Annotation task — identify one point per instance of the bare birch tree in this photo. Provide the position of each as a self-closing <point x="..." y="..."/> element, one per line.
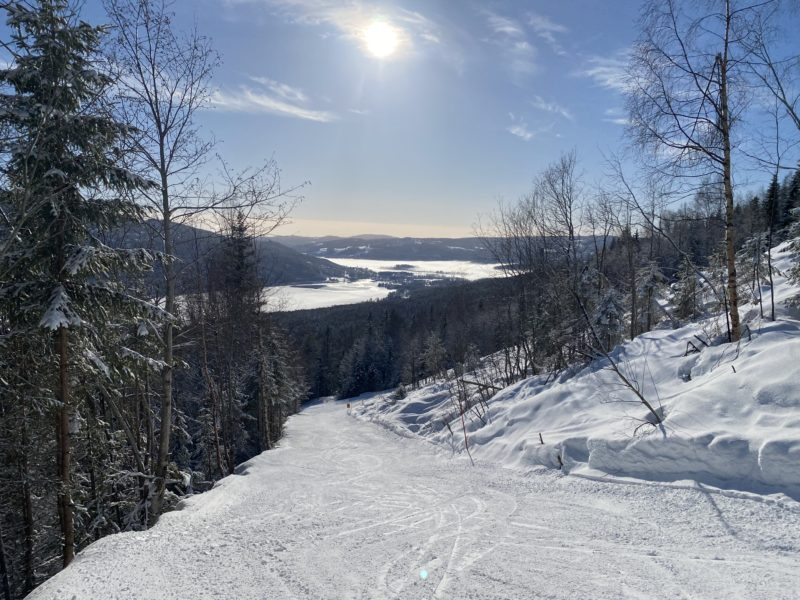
<point x="164" y="82"/>
<point x="687" y="85"/>
<point x="777" y="69"/>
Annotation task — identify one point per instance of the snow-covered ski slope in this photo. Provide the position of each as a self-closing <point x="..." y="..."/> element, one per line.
<point x="345" y="509"/>
<point x="732" y="410"/>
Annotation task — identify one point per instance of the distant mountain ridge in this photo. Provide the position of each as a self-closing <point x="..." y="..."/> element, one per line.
<point x="390" y="248"/>
<point x="277" y="263"/>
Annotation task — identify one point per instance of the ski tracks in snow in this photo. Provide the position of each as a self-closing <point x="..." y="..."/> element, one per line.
<point x="347" y="510"/>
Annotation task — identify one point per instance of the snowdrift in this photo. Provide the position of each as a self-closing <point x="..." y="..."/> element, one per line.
<point x="732" y="410"/>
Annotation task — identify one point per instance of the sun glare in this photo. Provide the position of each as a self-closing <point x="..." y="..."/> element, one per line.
<point x="381" y="39"/>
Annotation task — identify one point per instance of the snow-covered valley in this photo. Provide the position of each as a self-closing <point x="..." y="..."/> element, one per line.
<point x="346" y="509"/>
<point x="573" y="494"/>
<point x="336" y="293"/>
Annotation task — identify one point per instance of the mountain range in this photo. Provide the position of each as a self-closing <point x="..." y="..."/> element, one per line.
<point x="278" y="264"/>
<point x="390" y="248"/>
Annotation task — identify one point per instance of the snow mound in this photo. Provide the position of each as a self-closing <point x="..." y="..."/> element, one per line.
<point x="732" y="411"/>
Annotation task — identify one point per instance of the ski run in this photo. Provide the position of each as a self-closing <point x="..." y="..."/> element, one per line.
<point x="345" y="509"/>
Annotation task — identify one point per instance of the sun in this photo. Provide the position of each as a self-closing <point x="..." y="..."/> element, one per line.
<point x="381" y="39"/>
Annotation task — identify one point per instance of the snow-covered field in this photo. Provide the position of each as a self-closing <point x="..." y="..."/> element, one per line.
<point x="347" y="510"/>
<point x="446" y="268"/>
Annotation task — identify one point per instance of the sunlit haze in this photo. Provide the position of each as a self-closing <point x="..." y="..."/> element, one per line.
<point x="412" y="118"/>
<point x="417" y="117"/>
<point x="381" y="39"/>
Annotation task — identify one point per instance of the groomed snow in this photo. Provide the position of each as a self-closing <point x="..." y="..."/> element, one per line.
<point x="347" y="510"/>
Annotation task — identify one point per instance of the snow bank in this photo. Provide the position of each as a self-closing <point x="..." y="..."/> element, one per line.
<point x="732" y="410"/>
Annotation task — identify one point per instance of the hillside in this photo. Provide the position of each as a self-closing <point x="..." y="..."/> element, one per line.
<point x="732" y="411"/>
<point x="277" y="264"/>
<point x="391" y="248"/>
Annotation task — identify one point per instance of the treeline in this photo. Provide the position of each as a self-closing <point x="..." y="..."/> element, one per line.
<point x="114" y="402"/>
<point x="371" y="346"/>
<point x="567" y="297"/>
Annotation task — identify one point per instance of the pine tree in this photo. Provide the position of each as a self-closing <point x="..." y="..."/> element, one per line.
<point x="434" y="356"/>
<point x="687" y="301"/>
<point x="608" y="319"/>
<point x="63" y="185"/>
<point x="792" y="200"/>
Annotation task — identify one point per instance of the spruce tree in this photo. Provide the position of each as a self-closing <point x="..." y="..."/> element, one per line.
<point x="62" y="186"/>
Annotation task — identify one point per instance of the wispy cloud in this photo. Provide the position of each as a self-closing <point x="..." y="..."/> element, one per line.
<point x="616" y="116"/>
<point x="273" y="98"/>
<point x="504" y="25"/>
<point x="520" y="128"/>
<point x="547" y="29"/>
<point x="285" y="91"/>
<point x="508" y="34"/>
<point x="351" y="18"/>
<point x="609" y="72"/>
<point x="551" y="107"/>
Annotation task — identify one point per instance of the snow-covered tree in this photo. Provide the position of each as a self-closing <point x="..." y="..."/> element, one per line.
<point x="687" y="293"/>
<point x="608" y="318"/>
<point x="63" y="302"/>
<point x="650" y="280"/>
<point x="434" y="355"/>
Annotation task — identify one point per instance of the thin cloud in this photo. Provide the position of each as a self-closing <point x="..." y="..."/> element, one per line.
<point x="616" y="116"/>
<point x="520" y="128"/>
<point x="609" y="72"/>
<point x="551" y="107"/>
<point x="504" y="25"/>
<point x="277" y="98"/>
<point x="285" y="91"/>
<point x="543" y="23"/>
<point x="547" y="29"/>
<point x="508" y="34"/>
<point x="352" y="17"/>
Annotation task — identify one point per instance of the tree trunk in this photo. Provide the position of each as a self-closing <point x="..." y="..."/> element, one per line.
<point x="27" y="510"/>
<point x="632" y="283"/>
<point x="730" y="254"/>
<point x="263" y="407"/>
<point x="4" y="570"/>
<point x="771" y="206"/>
<point x="64" y="450"/>
<point x="166" y="373"/>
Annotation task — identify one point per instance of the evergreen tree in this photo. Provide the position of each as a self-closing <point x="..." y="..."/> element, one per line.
<point x="687" y="301"/>
<point x="62" y="306"/>
<point x="434" y="356"/>
<point x="792" y="200"/>
<point x="608" y="319"/>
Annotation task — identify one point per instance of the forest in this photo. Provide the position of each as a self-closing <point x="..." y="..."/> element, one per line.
<point x="130" y="378"/>
<point x="117" y="399"/>
<point x="624" y="272"/>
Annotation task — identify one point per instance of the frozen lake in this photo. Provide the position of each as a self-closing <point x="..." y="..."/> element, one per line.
<point x="289" y="297"/>
<point x="446" y="268"/>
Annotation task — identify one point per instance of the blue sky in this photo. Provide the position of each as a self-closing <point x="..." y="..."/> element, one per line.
<point x="476" y="99"/>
